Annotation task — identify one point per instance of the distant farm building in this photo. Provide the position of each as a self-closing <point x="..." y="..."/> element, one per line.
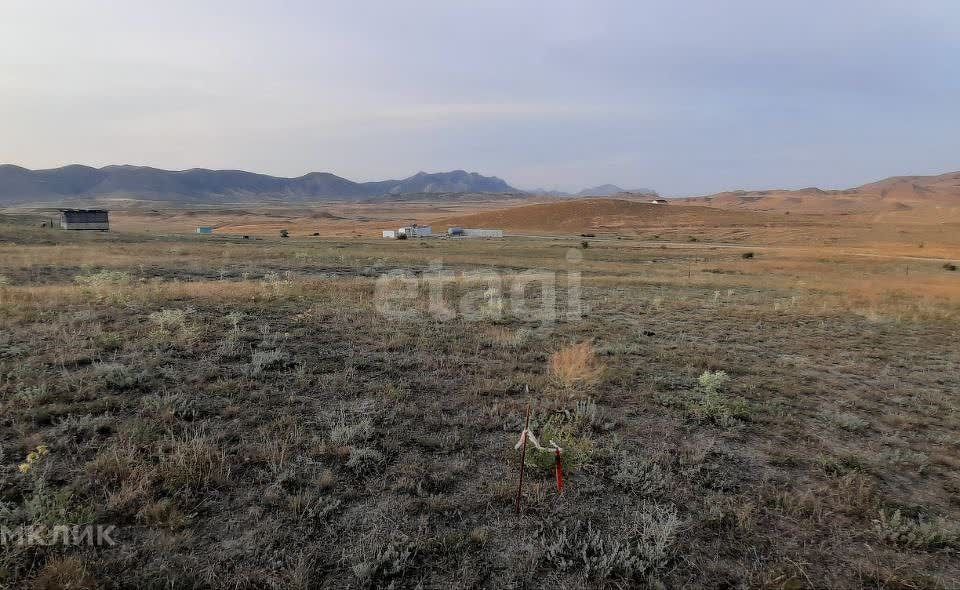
<point x="481" y="233"/>
<point x="93" y="219"/>
<point x="204" y="229"/>
<point x="410" y="231"/>
<point x="417" y="231"/>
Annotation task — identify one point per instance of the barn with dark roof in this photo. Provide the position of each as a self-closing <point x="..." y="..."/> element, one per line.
<point x="94" y="219"/>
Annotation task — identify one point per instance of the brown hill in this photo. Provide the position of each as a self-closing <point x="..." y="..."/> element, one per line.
<point x="600" y="216"/>
<point x="919" y="195"/>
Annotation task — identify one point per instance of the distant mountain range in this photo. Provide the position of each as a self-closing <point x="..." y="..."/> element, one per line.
<point x="76" y="182"/>
<point x="604" y="190"/>
<point x="608" y="190"/>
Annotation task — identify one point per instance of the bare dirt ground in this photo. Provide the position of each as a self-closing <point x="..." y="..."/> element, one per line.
<point x="255" y="413"/>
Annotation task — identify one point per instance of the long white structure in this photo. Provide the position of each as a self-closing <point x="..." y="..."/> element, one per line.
<point x="409" y="231"/>
<point x="482" y="233"/>
<point x="424" y="231"/>
<point x="415" y="231"/>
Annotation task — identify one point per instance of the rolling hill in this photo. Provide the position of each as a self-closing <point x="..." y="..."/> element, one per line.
<point x="199" y="185"/>
<point x="920" y="194"/>
<point x="597" y="215"/>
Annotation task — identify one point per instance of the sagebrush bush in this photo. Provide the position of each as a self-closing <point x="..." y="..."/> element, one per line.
<point x="846" y="421"/>
<point x="265" y="360"/>
<point x="639" y="475"/>
<point x="713" y="381"/>
<point x="711" y="404"/>
<point x="578" y="447"/>
<point x="587" y="412"/>
<point x="385" y="565"/>
<point x="640" y="551"/>
<point x="102" y="278"/>
<point x="172" y="325"/>
<point x="366" y="461"/>
<point x="343" y="433"/>
<point x="916" y="534"/>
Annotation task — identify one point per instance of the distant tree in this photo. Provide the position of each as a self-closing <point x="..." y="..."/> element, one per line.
<point x="284" y="233"/>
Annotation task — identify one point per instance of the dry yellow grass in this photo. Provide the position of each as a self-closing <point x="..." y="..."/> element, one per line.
<point x="576" y="364"/>
<point x="65" y="572"/>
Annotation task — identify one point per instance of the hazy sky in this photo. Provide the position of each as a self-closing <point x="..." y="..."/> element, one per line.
<point x="685" y="97"/>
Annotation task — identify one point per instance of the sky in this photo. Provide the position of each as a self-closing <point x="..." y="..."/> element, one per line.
<point x="685" y="97"/>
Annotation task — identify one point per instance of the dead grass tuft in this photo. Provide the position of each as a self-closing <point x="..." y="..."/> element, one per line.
<point x="576" y="365"/>
<point x="62" y="573"/>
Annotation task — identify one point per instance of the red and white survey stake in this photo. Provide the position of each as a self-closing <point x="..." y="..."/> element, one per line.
<point x="527" y="435"/>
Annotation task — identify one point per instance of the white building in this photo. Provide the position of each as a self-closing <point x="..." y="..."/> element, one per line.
<point x="482" y="233"/>
<point x="410" y="231"/>
<point x="415" y="231"/>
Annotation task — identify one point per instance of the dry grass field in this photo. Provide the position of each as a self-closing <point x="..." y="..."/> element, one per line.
<point x="777" y="411"/>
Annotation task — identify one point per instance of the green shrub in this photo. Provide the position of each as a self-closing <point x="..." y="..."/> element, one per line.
<point x="641" y="551"/>
<point x="846" y="421"/>
<point x="265" y="360"/>
<point x="639" y="475"/>
<point x="916" y="534"/>
<point x="577" y="446"/>
<point x="366" y="461"/>
<point x="102" y="278"/>
<point x="710" y="404"/>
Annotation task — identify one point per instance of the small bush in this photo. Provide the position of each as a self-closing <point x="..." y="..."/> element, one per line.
<point x="116" y="376"/>
<point x="846" y="421"/>
<point x="584" y="244"/>
<point x="163" y="513"/>
<point x="641" y="551"/>
<point x="102" y="278"/>
<point x="639" y="475"/>
<point x="109" y="342"/>
<point x="65" y="572"/>
<point x="950" y="266"/>
<point x="347" y="434"/>
<point x="386" y="566"/>
<point x="713" y="381"/>
<point x="266" y="360"/>
<point x="747" y="255"/>
<point x="577" y="446"/>
<point x="588" y="413"/>
<point x="576" y="364"/>
<point x="366" y="461"/>
<point x="192" y="462"/>
<point x="916" y="534"/>
<point x="709" y="403"/>
<point x="172" y="325"/>
<point x="51" y="506"/>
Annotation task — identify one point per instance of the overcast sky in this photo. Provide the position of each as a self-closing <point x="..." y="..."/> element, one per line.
<point x="685" y="97"/>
